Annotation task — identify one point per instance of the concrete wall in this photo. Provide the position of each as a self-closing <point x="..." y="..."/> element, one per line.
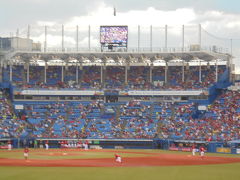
<point x="21" y="44"/>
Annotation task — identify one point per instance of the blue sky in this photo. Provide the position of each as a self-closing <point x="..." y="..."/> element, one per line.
<point x="231" y="6"/>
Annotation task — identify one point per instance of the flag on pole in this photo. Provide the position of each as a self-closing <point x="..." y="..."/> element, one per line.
<point x="114" y="11"/>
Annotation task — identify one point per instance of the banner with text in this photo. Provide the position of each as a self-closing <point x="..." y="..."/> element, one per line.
<point x="161" y="93"/>
<point x="59" y="92"/>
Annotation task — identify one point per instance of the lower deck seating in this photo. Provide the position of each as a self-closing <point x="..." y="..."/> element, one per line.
<point x="133" y="119"/>
<point x="10" y="124"/>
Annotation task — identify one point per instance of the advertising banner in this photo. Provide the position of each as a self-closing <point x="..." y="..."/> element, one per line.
<point x="59" y="92"/>
<point x="224" y="150"/>
<point x="238" y="151"/>
<point x="4" y="147"/>
<point x="187" y="149"/>
<point x="184" y="149"/>
<point x="161" y="93"/>
<point x="174" y="149"/>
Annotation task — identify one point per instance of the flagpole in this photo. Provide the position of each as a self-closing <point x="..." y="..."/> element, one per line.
<point x="114" y="11"/>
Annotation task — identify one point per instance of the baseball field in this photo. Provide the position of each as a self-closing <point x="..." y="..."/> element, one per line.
<point x="100" y="164"/>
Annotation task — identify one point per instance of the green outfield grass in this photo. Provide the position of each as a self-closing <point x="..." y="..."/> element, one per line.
<point x="210" y="172"/>
<point x="199" y="172"/>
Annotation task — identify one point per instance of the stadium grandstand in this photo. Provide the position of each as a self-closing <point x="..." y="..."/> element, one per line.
<point x="118" y="96"/>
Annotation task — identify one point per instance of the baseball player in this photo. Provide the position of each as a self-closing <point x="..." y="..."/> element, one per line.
<point x="194" y="149"/>
<point x="79" y="144"/>
<point x="85" y="145"/>
<point x="46" y="145"/>
<point x="118" y="158"/>
<point x="9" y="145"/>
<point x="25" y="154"/>
<point x="202" y="151"/>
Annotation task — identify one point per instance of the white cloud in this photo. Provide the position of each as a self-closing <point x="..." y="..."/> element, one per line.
<point x="103" y="15"/>
<point x="45" y="23"/>
<point x="218" y="23"/>
<point x="55" y="40"/>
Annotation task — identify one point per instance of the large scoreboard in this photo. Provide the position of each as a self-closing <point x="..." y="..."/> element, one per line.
<point x="114" y="35"/>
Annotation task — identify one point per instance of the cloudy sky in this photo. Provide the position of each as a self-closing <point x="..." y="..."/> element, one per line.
<point x="220" y="20"/>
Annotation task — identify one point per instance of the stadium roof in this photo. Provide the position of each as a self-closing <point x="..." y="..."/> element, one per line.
<point x="115" y="57"/>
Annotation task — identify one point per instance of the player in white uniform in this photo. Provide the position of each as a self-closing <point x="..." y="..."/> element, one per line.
<point x="9" y="146"/>
<point x="194" y="150"/>
<point x="46" y="145"/>
<point x="85" y="145"/>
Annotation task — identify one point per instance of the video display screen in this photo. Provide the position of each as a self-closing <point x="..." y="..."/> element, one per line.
<point x="113" y="34"/>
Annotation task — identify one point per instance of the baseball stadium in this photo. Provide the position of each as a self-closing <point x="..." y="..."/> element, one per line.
<point x="119" y="101"/>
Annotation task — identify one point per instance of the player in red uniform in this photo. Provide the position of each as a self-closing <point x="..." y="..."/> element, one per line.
<point x="79" y="144"/>
<point x="26" y="151"/>
<point x="202" y="151"/>
<point x="118" y="158"/>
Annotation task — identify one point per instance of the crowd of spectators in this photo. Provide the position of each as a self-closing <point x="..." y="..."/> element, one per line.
<point x="219" y="123"/>
<point x="138" y="78"/>
<point x="18" y="74"/>
<point x="223" y="117"/>
<point x="88" y="120"/>
<point x="36" y="75"/>
<point x="191" y="79"/>
<point x="71" y="119"/>
<point x="136" y="120"/>
<point x="115" y="77"/>
<point x="10" y="125"/>
<point x="176" y="121"/>
<point x="89" y="77"/>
